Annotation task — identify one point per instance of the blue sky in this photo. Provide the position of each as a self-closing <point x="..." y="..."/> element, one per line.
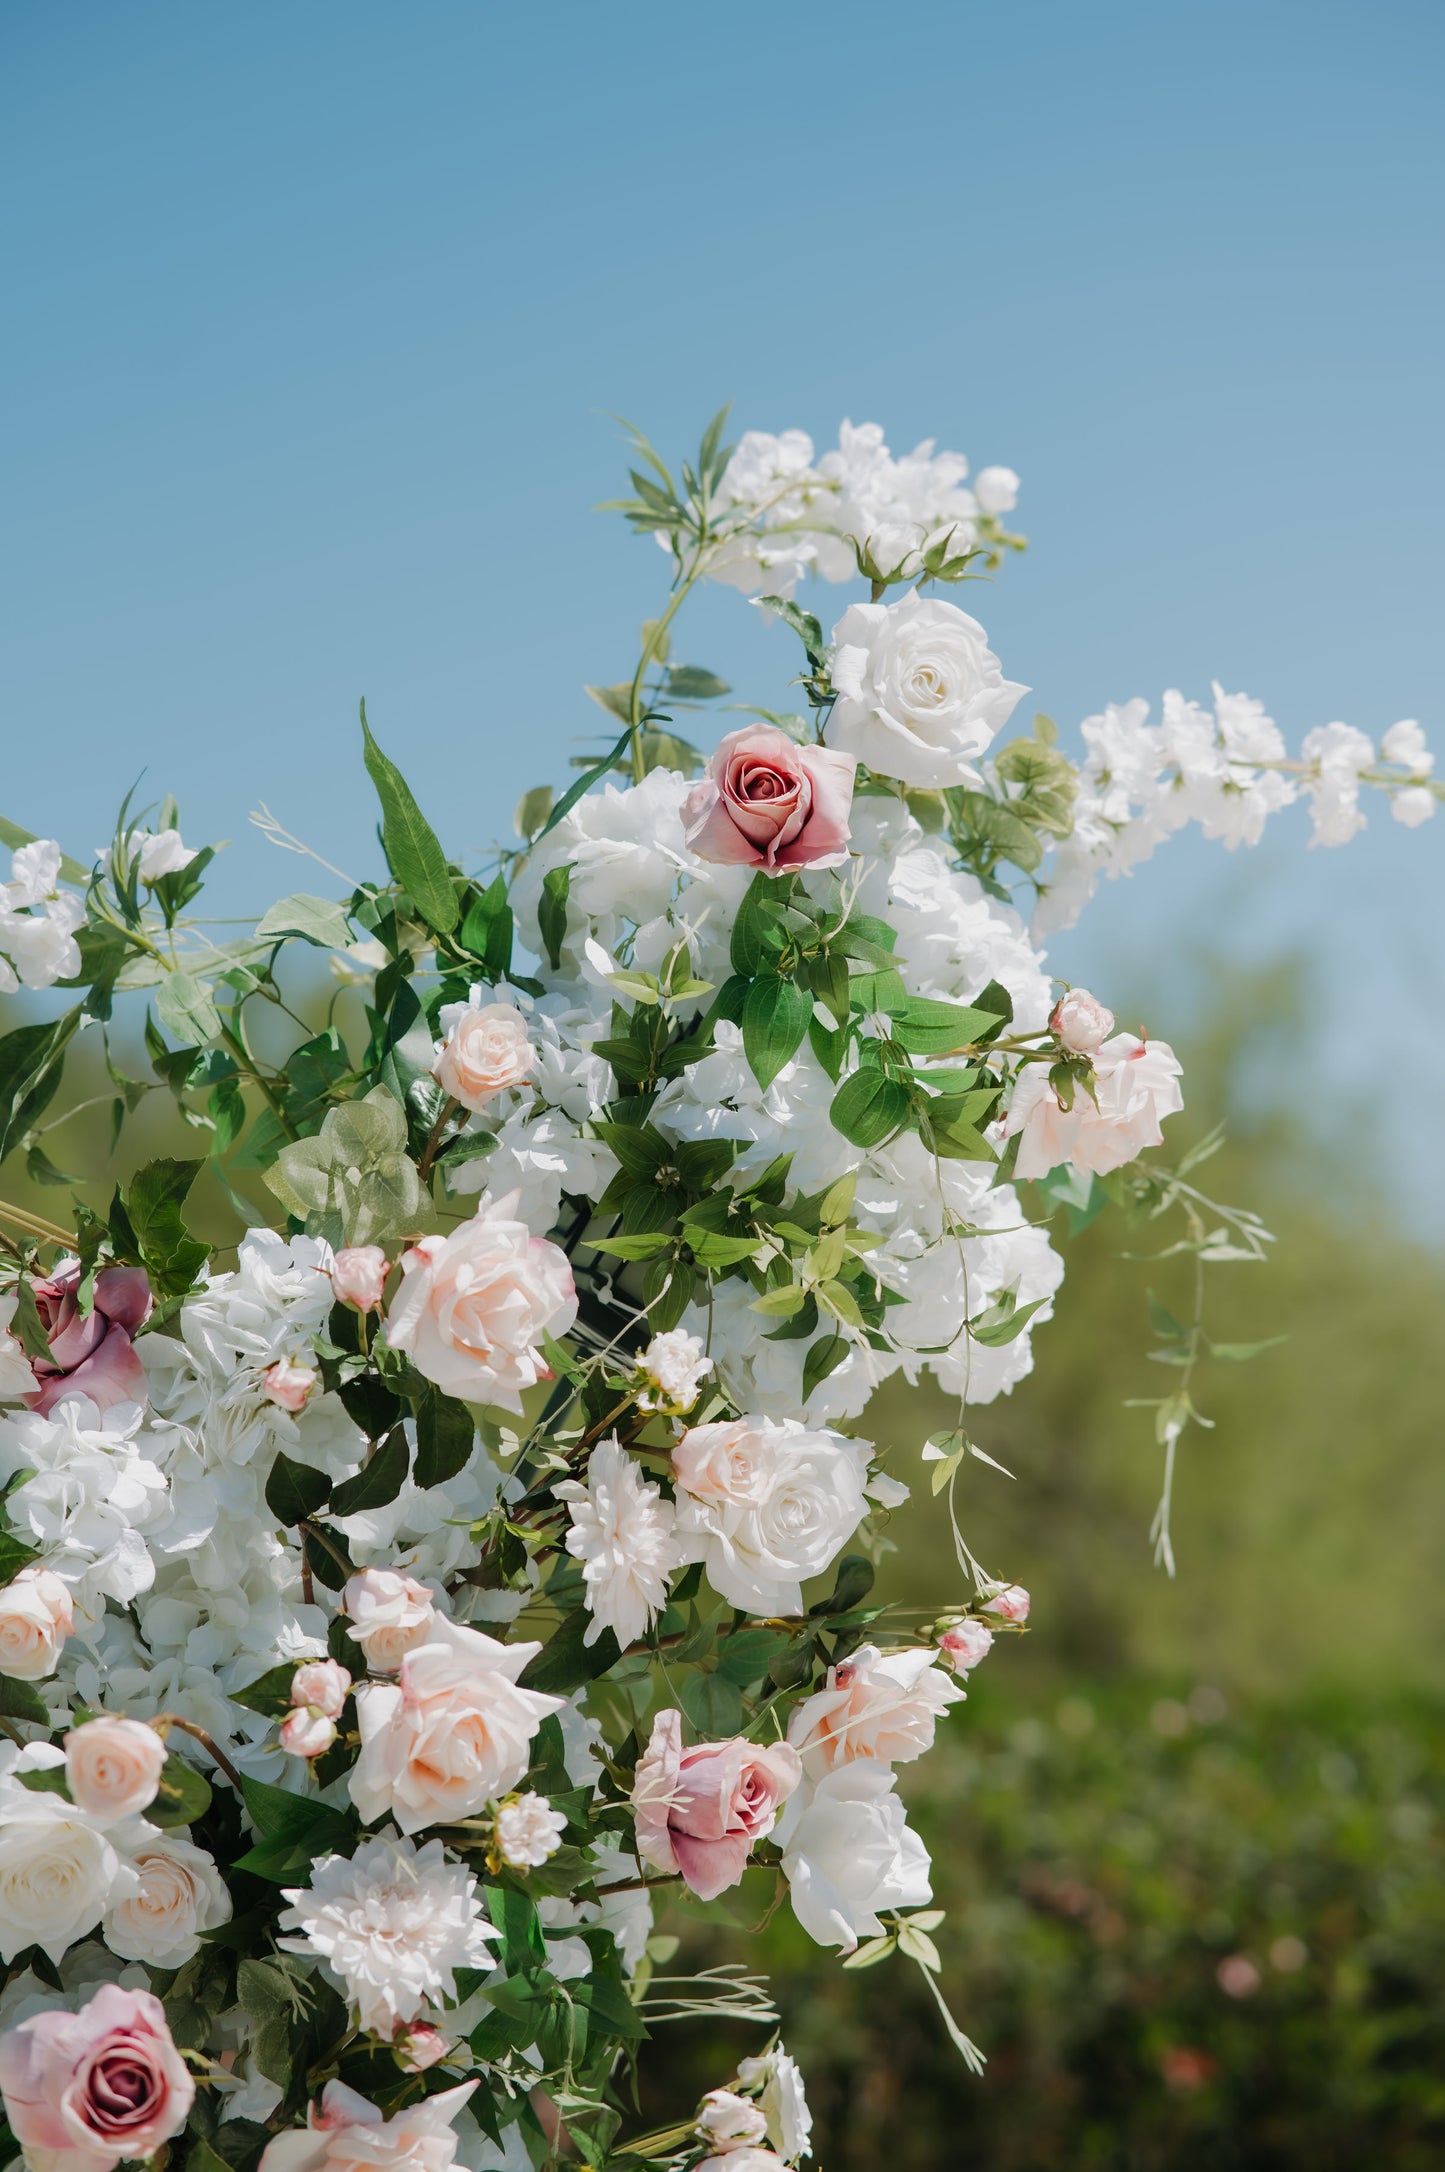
<point x="317" y="319"/>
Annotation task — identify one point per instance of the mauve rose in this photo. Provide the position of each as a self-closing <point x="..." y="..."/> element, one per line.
<point x="91" y="1356"/>
<point x="84" y="2090"/>
<point x="701" y="1811"/>
<point x="767" y="802"/>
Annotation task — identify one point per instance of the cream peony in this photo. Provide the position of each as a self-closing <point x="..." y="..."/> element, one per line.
<point x="486" y="1051"/>
<point x="113" y="1767"/>
<point x="529" y="1830"/>
<point x="920" y="693"/>
<point x="882" y="1705"/>
<point x="623" y="1534"/>
<point x="390" y="1615"/>
<point x="454" y="1733"/>
<point x="181" y="1893"/>
<point x="473" y="1307"/>
<point x="37" y="1614"/>
<point x="766" y="1503"/>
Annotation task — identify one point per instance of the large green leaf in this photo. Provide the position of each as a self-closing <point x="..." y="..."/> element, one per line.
<point x="318" y="920"/>
<point x="775" y="1019"/>
<point x="412" y="851"/>
<point x="378" y="1482"/>
<point x="869" y="1107"/>
<point x="30" y="1066"/>
<point x="445" y="1435"/>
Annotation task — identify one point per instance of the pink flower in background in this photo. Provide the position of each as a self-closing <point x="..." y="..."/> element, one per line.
<point x="358" y="1276"/>
<point x="91" y="1356"/>
<point x="82" y="2091"/>
<point x="767" y="802"/>
<point x="701" y="1811"/>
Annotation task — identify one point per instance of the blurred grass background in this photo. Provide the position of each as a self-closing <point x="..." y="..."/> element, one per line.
<point x="1188" y="1834"/>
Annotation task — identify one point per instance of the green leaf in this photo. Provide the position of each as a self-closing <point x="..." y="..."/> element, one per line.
<point x="713" y="1704"/>
<point x="688" y="682"/>
<point x="804" y="625"/>
<point x="565" y="1662"/>
<point x="153" y="1203"/>
<point x="533" y="809"/>
<point x="30" y="1067"/>
<point x="552" y="912"/>
<point x="318" y="920"/>
<point x="1239" y="1353"/>
<point x="15" y="1555"/>
<point x="584" y="783"/>
<point x="355" y="1171"/>
<point x="869" y="1107"/>
<point x="852" y="1582"/>
<point x="824" y="1357"/>
<point x="412" y="851"/>
<point x="378" y="1482"/>
<point x="927" y="1028"/>
<point x="775" y="1019"/>
<point x="445" y="1436"/>
<point x="270" y="1693"/>
<point x="183" y="1796"/>
<point x="294" y="1830"/>
<point x="186" y="1008"/>
<point x="22" y="1701"/>
<point x="295" y="1492"/>
<point x="48" y="1780"/>
<point x="998" y="1325"/>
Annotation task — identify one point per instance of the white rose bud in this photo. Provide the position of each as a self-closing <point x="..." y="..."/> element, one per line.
<point x="289" y="1383"/>
<point x="358" y="1276"/>
<point x="729" y="2120"/>
<point x="1081" y="1021"/>
<point x="36" y="1617"/>
<point x="113" y="1767"/>
<point x="528" y="1831"/>
<point x="672" y="1369"/>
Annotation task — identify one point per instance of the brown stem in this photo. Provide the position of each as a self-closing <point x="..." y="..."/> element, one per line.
<point x="449" y="1108"/>
<point x="312" y="1530"/>
<point x="638" y="1885"/>
<point x="198" y="1734"/>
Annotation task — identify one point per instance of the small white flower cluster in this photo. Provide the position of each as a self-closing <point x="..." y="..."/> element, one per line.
<point x="1229" y="771"/>
<point x="38" y="920"/>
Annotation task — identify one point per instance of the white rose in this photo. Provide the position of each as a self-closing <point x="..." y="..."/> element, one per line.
<point x="996" y="489"/>
<point x="1081" y="1021"/>
<point x="58" y="1872"/>
<point x="37" y="1614"/>
<point x="781" y="2097"/>
<point x="390" y="1615"/>
<point x="766" y="1503"/>
<point x="848" y="1852"/>
<point x="875" y="1704"/>
<point x="920" y="693"/>
<point x="180" y="1894"/>
<point x="728" y="2120"/>
<point x="473" y="1307"/>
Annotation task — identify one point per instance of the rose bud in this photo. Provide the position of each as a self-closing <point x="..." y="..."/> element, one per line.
<point x="289" y="1383"/>
<point x="728" y="2120"/>
<point x="418" y="2045"/>
<point x="1081" y="1022"/>
<point x="486" y="1051"/>
<point x="1010" y="1602"/>
<point x="767" y="802"/>
<point x="321" y="1685"/>
<point x="965" y="1644"/>
<point x="113" y="1767"/>
<point x="358" y="1276"/>
<point x="306" y="1733"/>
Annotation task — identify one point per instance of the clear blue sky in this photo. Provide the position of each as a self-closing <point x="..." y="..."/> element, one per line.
<point x="315" y="317"/>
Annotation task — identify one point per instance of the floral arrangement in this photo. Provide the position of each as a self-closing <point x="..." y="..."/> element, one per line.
<point x="400" y="1591"/>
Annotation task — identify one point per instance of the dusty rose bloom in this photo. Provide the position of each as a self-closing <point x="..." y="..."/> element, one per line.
<point x="701" y="1811"/>
<point x="92" y="1356"/>
<point x="85" y="2090"/>
<point x="767" y="802"/>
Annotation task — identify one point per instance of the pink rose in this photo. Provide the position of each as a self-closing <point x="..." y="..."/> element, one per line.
<point x="965" y="1644"/>
<point x="390" y="1615"/>
<point x="883" y="1705"/>
<point x="289" y="1383"/>
<point x="486" y="1051"/>
<point x="91" y="1356"/>
<point x="321" y="1684"/>
<point x="701" y="1811"/>
<point x="452" y="1735"/>
<point x="1081" y="1021"/>
<point x="307" y="1733"/>
<point x="1010" y="1602"/>
<point x="113" y="1767"/>
<point x="418" y="2045"/>
<point x="37" y="1614"/>
<point x="358" y="1276"/>
<point x="347" y="2134"/>
<point x="84" y="2090"/>
<point x="767" y="802"/>
<point x="474" y="1306"/>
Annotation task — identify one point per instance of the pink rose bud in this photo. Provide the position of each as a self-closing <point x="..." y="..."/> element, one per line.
<point x="37" y="1614"/>
<point x="965" y="1644"/>
<point x="306" y="1733"/>
<point x="1081" y="1022"/>
<point x="289" y="1383"/>
<point x="767" y="802"/>
<point x="82" y="2091"/>
<point x="1010" y="1602"/>
<point x="486" y="1051"/>
<point x="419" y="2046"/>
<point x="358" y="1276"/>
<point x="390" y="1615"/>
<point x="321" y="1684"/>
<point x="113" y="1767"/>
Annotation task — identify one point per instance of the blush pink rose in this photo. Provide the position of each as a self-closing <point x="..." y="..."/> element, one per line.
<point x="965" y="1644"/>
<point x="113" y="1767"/>
<point x="37" y="1614"/>
<point x="358" y="1276"/>
<point x="702" y="1811"/>
<point x="390" y="1615"/>
<point x="882" y="1705"/>
<point x="91" y="1356"/>
<point x="767" y="802"/>
<point x="290" y="1384"/>
<point x="345" y="2133"/>
<point x="1010" y="1602"/>
<point x="474" y="1306"/>
<point x="322" y="1684"/>
<point x="305" y="1732"/>
<point x="82" y="2091"/>
<point x="486" y="1051"/>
